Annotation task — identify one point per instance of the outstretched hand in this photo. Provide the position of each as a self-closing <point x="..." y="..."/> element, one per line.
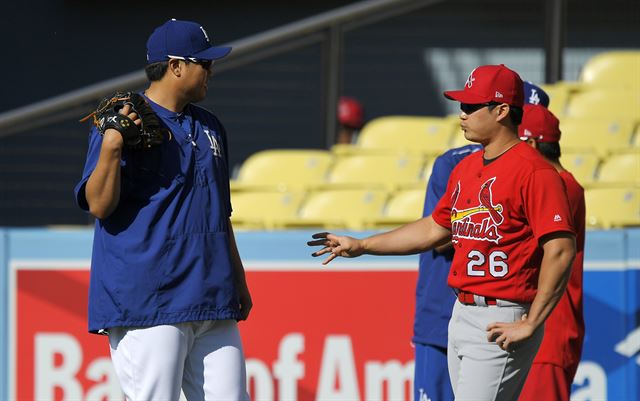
<point x="347" y="247"/>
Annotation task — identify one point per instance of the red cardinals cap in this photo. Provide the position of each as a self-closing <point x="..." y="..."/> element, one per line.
<point x="350" y="112"/>
<point x="491" y="83"/>
<point x="539" y="123"/>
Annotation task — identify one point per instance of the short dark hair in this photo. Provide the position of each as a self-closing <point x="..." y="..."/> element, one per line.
<point x="156" y="71"/>
<point x="550" y="150"/>
<point x="515" y="113"/>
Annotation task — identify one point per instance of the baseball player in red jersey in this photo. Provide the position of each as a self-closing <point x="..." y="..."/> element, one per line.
<point x="557" y="360"/>
<point x="506" y="212"/>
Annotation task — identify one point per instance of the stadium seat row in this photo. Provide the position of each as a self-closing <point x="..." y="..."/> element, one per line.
<point x="380" y="180"/>
<point x="305" y="169"/>
<point x="429" y="136"/>
<point x="360" y="208"/>
<point x="296" y="170"/>
<point x="345" y="208"/>
<point x="613" y="69"/>
<point x="609" y="85"/>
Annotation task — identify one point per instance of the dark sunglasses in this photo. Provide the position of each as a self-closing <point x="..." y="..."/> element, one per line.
<point x="206" y="64"/>
<point x="469" y="109"/>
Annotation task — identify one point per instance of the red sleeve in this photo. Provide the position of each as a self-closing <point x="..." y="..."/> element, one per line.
<point x="546" y="205"/>
<point x="575" y="195"/>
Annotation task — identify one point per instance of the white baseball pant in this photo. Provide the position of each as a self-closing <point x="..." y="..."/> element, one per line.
<point x="480" y="370"/>
<point x="205" y="358"/>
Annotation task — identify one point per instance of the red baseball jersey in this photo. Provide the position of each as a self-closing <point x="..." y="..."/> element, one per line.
<point x="497" y="214"/>
<point x="564" y="328"/>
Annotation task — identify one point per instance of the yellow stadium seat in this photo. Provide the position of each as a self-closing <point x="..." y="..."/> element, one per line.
<point x="407" y="134"/>
<point x="376" y="170"/>
<point x="285" y="169"/>
<point x="558" y="97"/>
<point x="622" y="168"/>
<point x="426" y="171"/>
<point x="403" y="207"/>
<point x="340" y="209"/>
<point x="635" y="140"/>
<point x="599" y="135"/>
<point x="342" y="149"/>
<point x="263" y="209"/>
<point x="612" y="207"/>
<point x="457" y="139"/>
<point x="605" y="103"/>
<point x="406" y="204"/>
<point x="583" y="165"/>
<point x="613" y="69"/>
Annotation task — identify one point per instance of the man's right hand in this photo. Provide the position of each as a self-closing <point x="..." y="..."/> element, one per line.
<point x="347" y="247"/>
<point x="112" y="136"/>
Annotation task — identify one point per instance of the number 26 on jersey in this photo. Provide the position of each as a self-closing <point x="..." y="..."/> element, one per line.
<point x="495" y="264"/>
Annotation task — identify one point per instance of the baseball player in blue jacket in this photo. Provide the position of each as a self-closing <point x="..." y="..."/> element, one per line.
<point x="167" y="283"/>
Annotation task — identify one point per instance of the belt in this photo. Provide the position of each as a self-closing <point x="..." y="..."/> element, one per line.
<point x="469" y="298"/>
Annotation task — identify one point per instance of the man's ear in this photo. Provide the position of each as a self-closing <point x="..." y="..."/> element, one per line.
<point x="175" y="67"/>
<point x="503" y="111"/>
<point x="532" y="142"/>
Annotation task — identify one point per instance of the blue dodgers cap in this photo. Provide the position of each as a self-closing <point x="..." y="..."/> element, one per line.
<point x="182" y="39"/>
<point x="534" y="94"/>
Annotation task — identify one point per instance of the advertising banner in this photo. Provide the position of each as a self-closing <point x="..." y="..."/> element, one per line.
<point x="340" y="332"/>
<point x="312" y="335"/>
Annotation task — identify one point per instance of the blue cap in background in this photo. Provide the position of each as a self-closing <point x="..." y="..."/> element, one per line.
<point x="535" y="95"/>
<point x="184" y="40"/>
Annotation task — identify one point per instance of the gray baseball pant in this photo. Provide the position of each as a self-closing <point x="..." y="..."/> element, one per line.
<point x="480" y="370"/>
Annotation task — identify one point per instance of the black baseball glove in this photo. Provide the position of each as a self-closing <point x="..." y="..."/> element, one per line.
<point x="149" y="133"/>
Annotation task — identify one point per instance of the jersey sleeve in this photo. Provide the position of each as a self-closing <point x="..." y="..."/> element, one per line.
<point x="442" y="211"/>
<point x="546" y="205"/>
<point x="93" y="154"/>
<point x="437" y="185"/>
<point x="575" y="195"/>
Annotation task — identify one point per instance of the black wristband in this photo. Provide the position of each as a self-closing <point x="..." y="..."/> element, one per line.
<point x="123" y="124"/>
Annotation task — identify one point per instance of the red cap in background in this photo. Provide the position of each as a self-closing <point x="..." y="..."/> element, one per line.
<point x="540" y="124"/>
<point x="350" y="112"/>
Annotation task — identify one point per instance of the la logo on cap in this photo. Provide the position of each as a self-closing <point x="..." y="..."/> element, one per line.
<point x="534" y="98"/>
<point x="205" y="34"/>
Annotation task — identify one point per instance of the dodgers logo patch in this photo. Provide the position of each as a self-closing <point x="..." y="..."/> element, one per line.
<point x="214" y="145"/>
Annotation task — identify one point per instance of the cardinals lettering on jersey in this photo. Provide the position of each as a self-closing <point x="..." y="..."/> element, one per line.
<point x="462" y="220"/>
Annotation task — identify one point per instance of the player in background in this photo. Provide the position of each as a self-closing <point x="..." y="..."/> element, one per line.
<point x="506" y="212"/>
<point x="434" y="299"/>
<point x="167" y="283"/>
<point x="533" y="94"/>
<point x="557" y="360"/>
<point x="350" y="120"/>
